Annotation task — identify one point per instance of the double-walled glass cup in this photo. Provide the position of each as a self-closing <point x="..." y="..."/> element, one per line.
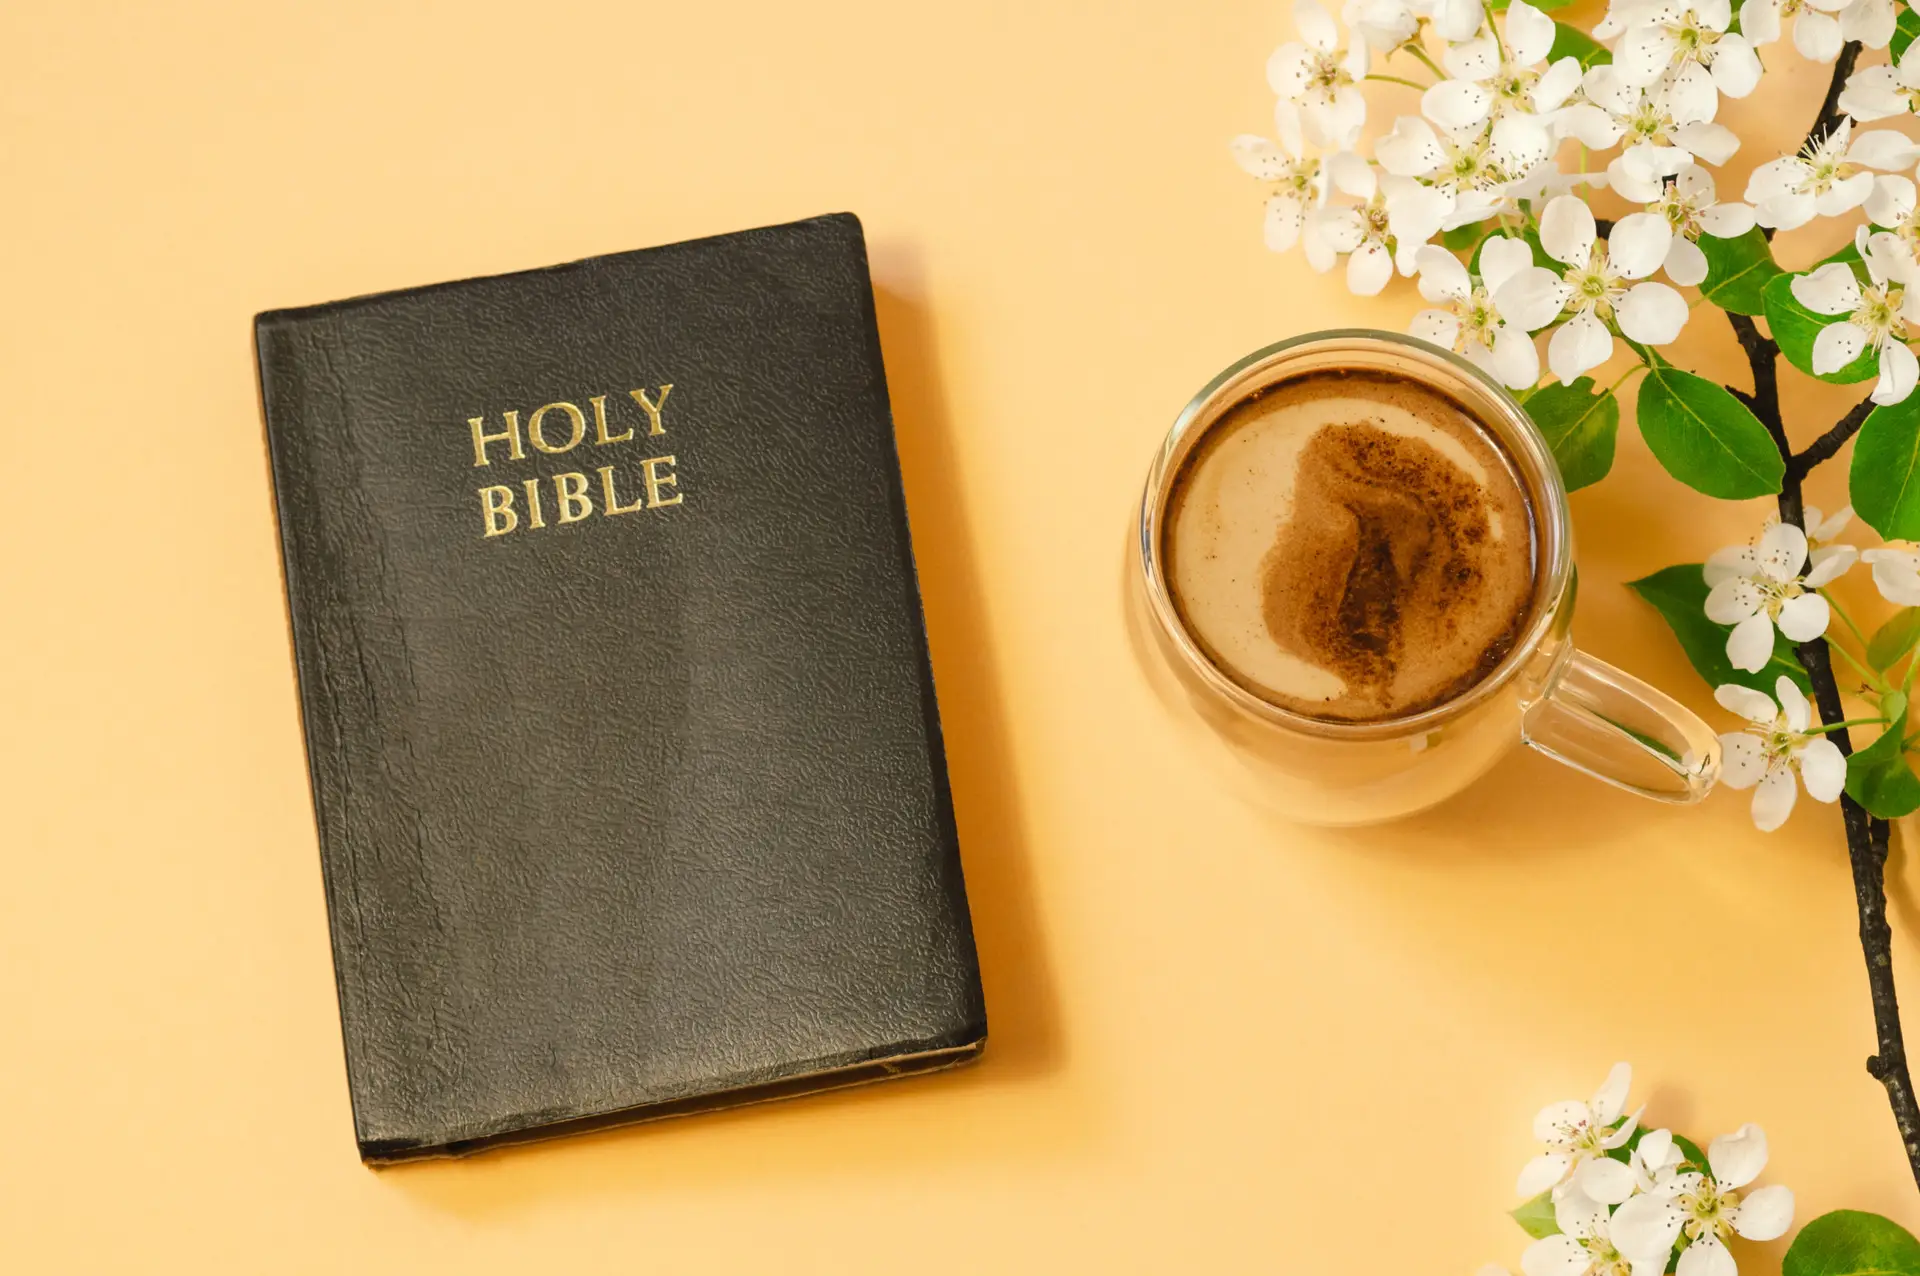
<point x="1545" y="693"/>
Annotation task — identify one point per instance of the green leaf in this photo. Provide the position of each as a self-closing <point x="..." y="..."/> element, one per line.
<point x="1572" y="42"/>
<point x="1894" y="639"/>
<point x="1885" y="478"/>
<point x="1738" y="271"/>
<point x="1905" y="28"/>
<point x="1794" y="328"/>
<point x="1467" y="236"/>
<point x="1852" y="1243"/>
<point x="1536" y="1217"/>
<point x="1679" y="594"/>
<point x="1879" y="778"/>
<point x="1580" y="427"/>
<point x="1893" y="704"/>
<point x="1706" y="438"/>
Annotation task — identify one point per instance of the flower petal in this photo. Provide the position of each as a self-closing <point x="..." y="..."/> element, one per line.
<point x="1896" y="574"/>
<point x="1816" y="36"/>
<point x="1686" y="264"/>
<point x="1651" y="313"/>
<point x="1475" y="59"/>
<point x="1605" y="1180"/>
<point x="1707" y="1256"/>
<point x="1442" y="277"/>
<point x="1580" y="345"/>
<point x="1804" y="618"/>
<point x="1837" y="345"/>
<point x="1743" y="760"/>
<point x="1713" y="143"/>
<point x="1781" y="551"/>
<point x="1514" y="359"/>
<point x="1733" y="600"/>
<point x="1892" y="201"/>
<point x="1369" y="269"/>
<point x="1560" y="1255"/>
<point x="1529" y="33"/>
<point x="1610" y="1100"/>
<point x="1736" y="67"/>
<point x="1316" y="26"/>
<point x="1442" y="327"/>
<point x="1773" y="799"/>
<point x="1899" y="371"/>
<point x="1754" y="706"/>
<point x="1501" y="258"/>
<point x="1725" y="564"/>
<point x="1831" y="290"/>
<point x="1793" y="703"/>
<point x="1646" y="1227"/>
<point x="1750" y="645"/>
<point x="1766" y="1214"/>
<point x="1884" y="149"/>
<point x="1724" y="221"/>
<point x="1541" y="1173"/>
<point x="1829" y="563"/>
<point x="1737" y="1159"/>
<point x="1456" y="104"/>
<point x="1639" y="242"/>
<point x="1532" y="298"/>
<point x="1823" y="769"/>
<point x="1567" y="230"/>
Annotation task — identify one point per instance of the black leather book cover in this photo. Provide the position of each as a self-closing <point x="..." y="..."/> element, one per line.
<point x="624" y="750"/>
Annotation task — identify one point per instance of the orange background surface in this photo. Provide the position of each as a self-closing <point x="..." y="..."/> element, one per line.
<point x="1219" y="1043"/>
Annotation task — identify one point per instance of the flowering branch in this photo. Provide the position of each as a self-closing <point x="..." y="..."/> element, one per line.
<point x="1471" y="197"/>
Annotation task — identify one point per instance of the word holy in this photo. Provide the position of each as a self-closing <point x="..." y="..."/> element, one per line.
<point x="559" y="428"/>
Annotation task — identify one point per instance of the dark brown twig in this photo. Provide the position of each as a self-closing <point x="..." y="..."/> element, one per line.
<point x="1867" y="836"/>
<point x="1824" y="447"/>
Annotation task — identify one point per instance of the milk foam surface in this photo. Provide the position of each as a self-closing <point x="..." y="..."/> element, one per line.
<point x="1351" y="546"/>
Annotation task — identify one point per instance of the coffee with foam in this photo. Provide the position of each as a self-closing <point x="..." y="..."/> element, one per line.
<point x="1352" y="546"/>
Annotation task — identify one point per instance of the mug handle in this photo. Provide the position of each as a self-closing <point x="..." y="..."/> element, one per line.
<point x="1616" y="728"/>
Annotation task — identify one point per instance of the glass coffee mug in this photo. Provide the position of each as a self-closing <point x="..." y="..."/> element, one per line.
<point x="1544" y="693"/>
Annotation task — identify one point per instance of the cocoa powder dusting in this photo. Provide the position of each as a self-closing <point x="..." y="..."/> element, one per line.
<point x="1385" y="542"/>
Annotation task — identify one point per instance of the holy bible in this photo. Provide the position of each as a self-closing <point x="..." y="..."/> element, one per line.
<point x="625" y="757"/>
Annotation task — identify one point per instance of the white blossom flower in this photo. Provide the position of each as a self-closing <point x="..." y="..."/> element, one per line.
<point x="1592" y="289"/>
<point x="1578" y="1137"/>
<point x="1826" y="178"/>
<point x="1875" y="318"/>
<point x="1880" y="92"/>
<point x="1653" y="146"/>
<point x="1393" y="217"/>
<point x="1464" y="166"/>
<point x="1296" y="182"/>
<point x="1684" y="46"/>
<point x="1684" y="211"/>
<point x="1318" y="81"/>
<point x="1708" y="1208"/>
<point x="1465" y="319"/>
<point x="1816" y="25"/>
<point x="1507" y="90"/>
<point x="1584" y="1246"/>
<point x="1755" y="587"/>
<point x="1766" y="755"/>
<point x="1896" y="572"/>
